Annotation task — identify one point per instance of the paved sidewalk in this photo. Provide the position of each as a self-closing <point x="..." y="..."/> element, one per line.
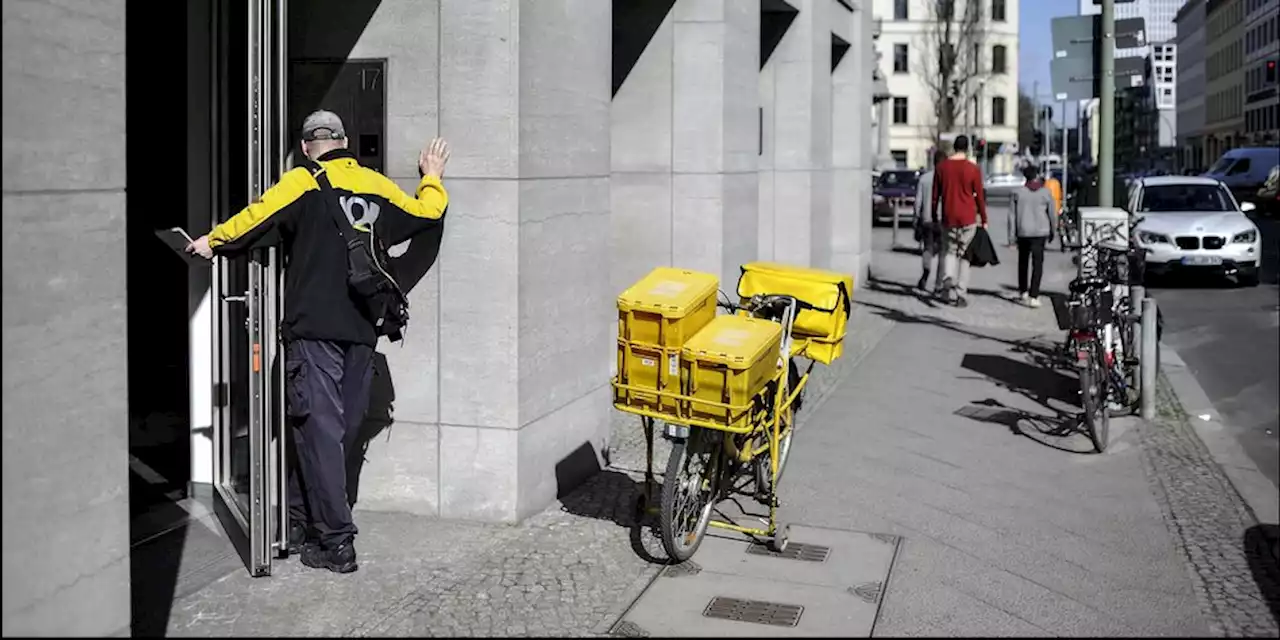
<point x="940" y="426"/>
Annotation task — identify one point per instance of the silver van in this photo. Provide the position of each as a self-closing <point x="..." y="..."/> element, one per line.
<point x="1244" y="170"/>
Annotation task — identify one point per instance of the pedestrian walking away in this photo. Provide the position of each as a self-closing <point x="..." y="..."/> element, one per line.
<point x="1032" y="220"/>
<point x="331" y="324"/>
<point x="959" y="204"/>
<point x="928" y="234"/>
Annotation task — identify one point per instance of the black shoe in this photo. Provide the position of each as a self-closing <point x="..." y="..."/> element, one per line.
<point x="299" y="537"/>
<point x="340" y="559"/>
<point x="961" y="302"/>
<point x="924" y="282"/>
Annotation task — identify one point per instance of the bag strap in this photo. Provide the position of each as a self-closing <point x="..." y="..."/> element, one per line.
<point x="331" y="202"/>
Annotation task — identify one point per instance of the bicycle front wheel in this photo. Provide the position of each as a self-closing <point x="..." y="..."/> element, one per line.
<point x="689" y="489"/>
<point x="1093" y="399"/>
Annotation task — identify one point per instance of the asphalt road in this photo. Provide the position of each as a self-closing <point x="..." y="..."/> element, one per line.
<point x="1230" y="339"/>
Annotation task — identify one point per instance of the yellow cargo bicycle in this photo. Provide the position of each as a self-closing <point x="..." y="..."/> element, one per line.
<point x="726" y="388"/>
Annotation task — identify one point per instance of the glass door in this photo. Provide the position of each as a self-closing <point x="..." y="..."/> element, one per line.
<point x="249" y="463"/>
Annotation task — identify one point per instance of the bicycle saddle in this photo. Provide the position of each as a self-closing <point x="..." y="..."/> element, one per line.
<point x="1081" y="285"/>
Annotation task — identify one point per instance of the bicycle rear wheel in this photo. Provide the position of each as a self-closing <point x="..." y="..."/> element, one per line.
<point x="689" y="491"/>
<point x="1093" y="398"/>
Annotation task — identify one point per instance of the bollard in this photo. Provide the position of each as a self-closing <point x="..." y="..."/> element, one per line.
<point x="1149" y="363"/>
<point x="1137" y="293"/>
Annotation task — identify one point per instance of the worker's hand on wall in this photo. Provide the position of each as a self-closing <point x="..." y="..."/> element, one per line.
<point x="433" y="158"/>
<point x="201" y="247"/>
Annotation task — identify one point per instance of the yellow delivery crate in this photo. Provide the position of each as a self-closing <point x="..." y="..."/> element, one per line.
<point x="728" y="362"/>
<point x="655" y="317"/>
<point x="826" y="297"/>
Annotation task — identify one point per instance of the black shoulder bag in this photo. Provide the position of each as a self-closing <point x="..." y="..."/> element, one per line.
<point x="368" y="265"/>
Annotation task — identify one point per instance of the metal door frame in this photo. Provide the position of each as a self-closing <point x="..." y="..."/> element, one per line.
<point x="262" y="531"/>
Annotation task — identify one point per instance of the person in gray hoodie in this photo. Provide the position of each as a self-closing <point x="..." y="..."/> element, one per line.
<point x="928" y="234"/>
<point x="1031" y="224"/>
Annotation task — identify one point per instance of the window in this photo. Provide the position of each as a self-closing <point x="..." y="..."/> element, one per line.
<point x="900" y="64"/>
<point x="899" y="158"/>
<point x="997" y="10"/>
<point x="900" y="10"/>
<point x="899" y="110"/>
<point x="997" y="110"/>
<point x="1184" y="197"/>
<point x="1242" y="166"/>
<point x="997" y="59"/>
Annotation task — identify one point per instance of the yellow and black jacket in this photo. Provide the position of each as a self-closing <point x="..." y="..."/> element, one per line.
<point x="317" y="302"/>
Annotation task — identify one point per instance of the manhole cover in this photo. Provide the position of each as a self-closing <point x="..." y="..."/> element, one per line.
<point x="754" y="611"/>
<point x="794" y="551"/>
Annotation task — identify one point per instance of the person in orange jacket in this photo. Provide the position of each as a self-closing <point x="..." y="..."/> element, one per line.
<point x="1055" y="189"/>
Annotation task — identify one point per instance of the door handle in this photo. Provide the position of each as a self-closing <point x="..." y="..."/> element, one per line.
<point x="240" y="299"/>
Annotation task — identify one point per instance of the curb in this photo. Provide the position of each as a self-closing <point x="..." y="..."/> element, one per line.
<point x="1259" y="494"/>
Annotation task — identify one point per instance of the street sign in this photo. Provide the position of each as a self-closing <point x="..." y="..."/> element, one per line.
<point x="1072" y="78"/>
<point x="1130" y="33"/>
<point x="1075" y="79"/>
<point x="1073" y="36"/>
<point x="1077" y="36"/>
<point x="1130" y="72"/>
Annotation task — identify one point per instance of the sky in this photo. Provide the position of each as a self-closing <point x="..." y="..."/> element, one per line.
<point x="1035" y="41"/>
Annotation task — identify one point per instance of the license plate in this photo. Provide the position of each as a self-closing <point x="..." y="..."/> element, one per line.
<point x="1201" y="260"/>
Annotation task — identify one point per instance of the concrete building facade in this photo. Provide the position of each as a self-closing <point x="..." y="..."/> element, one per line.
<point x="1191" y="85"/>
<point x="592" y="141"/>
<point x="905" y="56"/>
<point x="1224" y="69"/>
<point x="1261" y="59"/>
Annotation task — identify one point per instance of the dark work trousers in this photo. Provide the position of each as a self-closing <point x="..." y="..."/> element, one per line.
<point x="327" y="384"/>
<point x="1030" y="250"/>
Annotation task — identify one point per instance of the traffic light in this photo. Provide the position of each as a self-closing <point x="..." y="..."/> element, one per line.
<point x="1271" y="71"/>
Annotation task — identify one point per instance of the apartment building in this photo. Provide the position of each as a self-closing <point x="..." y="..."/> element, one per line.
<point x="1191" y="85"/>
<point x="1224" y="70"/>
<point x="1261" y="58"/>
<point x="992" y="114"/>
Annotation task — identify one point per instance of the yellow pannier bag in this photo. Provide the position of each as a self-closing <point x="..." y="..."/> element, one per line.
<point x="729" y="362"/>
<point x="825" y="299"/>
<point x="656" y="316"/>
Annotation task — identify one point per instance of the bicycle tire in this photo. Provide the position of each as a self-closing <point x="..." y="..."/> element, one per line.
<point x="1128" y="375"/>
<point x="764" y="484"/>
<point x="1093" y="399"/>
<point x="678" y="538"/>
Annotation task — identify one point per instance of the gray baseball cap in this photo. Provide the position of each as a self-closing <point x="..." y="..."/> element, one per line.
<point x="323" y="125"/>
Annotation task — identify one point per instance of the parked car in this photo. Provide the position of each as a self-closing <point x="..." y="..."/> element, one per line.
<point x="1245" y="170"/>
<point x="1001" y="185"/>
<point x="895" y="193"/>
<point x="1191" y="224"/>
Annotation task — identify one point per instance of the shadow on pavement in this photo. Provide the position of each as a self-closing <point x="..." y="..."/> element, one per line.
<point x="909" y="290"/>
<point x="1036" y="347"/>
<point x="614" y="496"/>
<point x="1262" y="548"/>
<point x="1055" y="429"/>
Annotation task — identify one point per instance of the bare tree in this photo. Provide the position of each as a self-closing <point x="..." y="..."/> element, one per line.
<point x="951" y="59"/>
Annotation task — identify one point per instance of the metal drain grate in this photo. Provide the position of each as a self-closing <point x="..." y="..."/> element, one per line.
<point x="794" y="551"/>
<point x="754" y="611"/>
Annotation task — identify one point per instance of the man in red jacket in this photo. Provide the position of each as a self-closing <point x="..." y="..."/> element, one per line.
<point x="957" y="186"/>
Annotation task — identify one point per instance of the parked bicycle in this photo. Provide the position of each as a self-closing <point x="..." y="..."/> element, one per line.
<point x="725" y="388"/>
<point x="1100" y="339"/>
